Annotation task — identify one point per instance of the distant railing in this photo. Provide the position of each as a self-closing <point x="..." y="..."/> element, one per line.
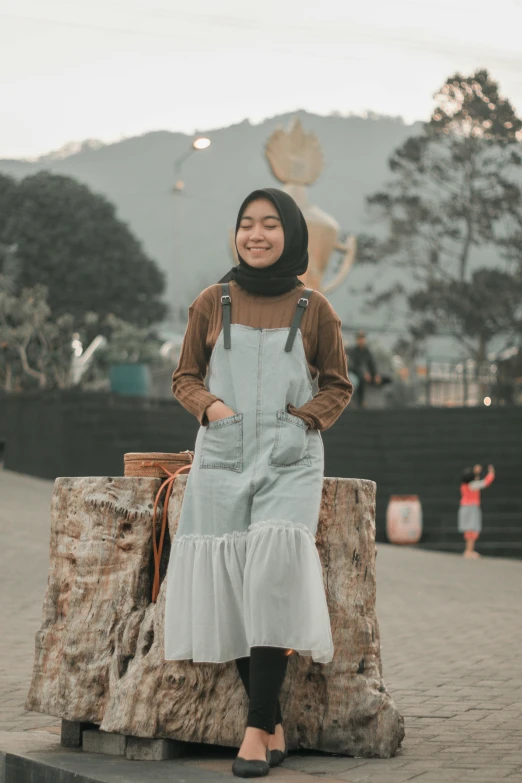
<point x="429" y="383"/>
<point x="455" y="384"/>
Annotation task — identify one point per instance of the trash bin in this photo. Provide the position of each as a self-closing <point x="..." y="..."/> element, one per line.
<point x="404" y="519"/>
<point x="130" y="379"/>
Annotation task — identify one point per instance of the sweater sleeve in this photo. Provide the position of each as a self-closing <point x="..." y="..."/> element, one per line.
<point x="188" y="379"/>
<point x="335" y="388"/>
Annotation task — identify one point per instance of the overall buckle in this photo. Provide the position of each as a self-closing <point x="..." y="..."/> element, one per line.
<point x="302" y="300"/>
<point x="226" y="296"/>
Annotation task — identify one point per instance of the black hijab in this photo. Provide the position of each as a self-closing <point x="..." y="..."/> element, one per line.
<point x="281" y="276"/>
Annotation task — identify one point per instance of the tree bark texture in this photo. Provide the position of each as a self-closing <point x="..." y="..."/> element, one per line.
<point x="99" y="651"/>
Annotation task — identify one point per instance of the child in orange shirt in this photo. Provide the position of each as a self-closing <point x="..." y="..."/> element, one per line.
<point x="470" y="513"/>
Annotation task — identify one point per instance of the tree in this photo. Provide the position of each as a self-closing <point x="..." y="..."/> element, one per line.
<point x="8" y="188"/>
<point x="128" y="343"/>
<point x="454" y="190"/>
<point x="476" y="310"/>
<point x="70" y="240"/>
<point x="36" y="349"/>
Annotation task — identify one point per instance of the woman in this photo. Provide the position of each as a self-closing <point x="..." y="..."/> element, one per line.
<point x="244" y="581"/>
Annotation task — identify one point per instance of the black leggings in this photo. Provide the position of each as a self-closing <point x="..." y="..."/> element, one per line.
<point x="263" y="674"/>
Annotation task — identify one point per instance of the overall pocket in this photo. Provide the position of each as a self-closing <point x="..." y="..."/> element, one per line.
<point x="222" y="445"/>
<point x="291" y="442"/>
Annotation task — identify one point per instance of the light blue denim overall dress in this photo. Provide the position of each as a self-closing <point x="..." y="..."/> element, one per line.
<point x="244" y="569"/>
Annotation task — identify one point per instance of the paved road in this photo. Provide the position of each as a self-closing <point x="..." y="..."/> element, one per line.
<point x="24" y="561"/>
<point x="451" y="645"/>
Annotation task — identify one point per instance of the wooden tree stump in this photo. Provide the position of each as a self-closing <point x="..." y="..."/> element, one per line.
<point x="99" y="652"/>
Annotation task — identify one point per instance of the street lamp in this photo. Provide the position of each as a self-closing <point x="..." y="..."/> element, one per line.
<point x="198" y="145"/>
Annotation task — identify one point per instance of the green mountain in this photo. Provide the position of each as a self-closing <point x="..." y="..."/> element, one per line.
<point x="187" y="233"/>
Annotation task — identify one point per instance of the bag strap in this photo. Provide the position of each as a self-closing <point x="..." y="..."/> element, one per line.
<point x="226" y="303"/>
<point x="299" y="310"/>
<point x="157" y="547"/>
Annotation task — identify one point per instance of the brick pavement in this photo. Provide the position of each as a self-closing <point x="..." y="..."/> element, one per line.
<point x="451" y="635"/>
<point x="24" y="559"/>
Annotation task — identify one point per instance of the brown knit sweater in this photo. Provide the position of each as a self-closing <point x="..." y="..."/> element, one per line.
<point x="321" y="331"/>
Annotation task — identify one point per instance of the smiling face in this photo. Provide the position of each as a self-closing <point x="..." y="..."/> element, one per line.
<point x="260" y="237"/>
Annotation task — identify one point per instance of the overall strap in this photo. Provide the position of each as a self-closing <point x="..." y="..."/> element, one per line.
<point x="301" y="305"/>
<point x="226" y="303"/>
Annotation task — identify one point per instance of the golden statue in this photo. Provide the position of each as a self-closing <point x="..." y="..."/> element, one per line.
<point x="296" y="160"/>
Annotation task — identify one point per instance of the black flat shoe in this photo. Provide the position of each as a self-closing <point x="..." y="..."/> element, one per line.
<point x="255" y="768"/>
<point x="277" y="756"/>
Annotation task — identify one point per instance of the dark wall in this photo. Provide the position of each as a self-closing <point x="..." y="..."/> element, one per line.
<point x="412" y="451"/>
<point x="78" y="434"/>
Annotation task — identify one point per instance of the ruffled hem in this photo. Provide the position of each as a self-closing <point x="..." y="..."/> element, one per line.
<point x="262" y="587"/>
<point x="255" y="526"/>
<point x="209" y="537"/>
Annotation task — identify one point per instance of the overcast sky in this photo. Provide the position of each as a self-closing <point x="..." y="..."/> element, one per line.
<point x="104" y="69"/>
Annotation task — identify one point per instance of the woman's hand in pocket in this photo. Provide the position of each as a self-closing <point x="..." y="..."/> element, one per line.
<point x="218" y="410"/>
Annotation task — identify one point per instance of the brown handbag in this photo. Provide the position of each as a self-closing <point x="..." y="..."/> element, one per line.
<point x="157" y="464"/>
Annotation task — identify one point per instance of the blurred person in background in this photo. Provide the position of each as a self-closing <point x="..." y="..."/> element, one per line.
<point x="362" y="363"/>
<point x="470" y="513"/>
